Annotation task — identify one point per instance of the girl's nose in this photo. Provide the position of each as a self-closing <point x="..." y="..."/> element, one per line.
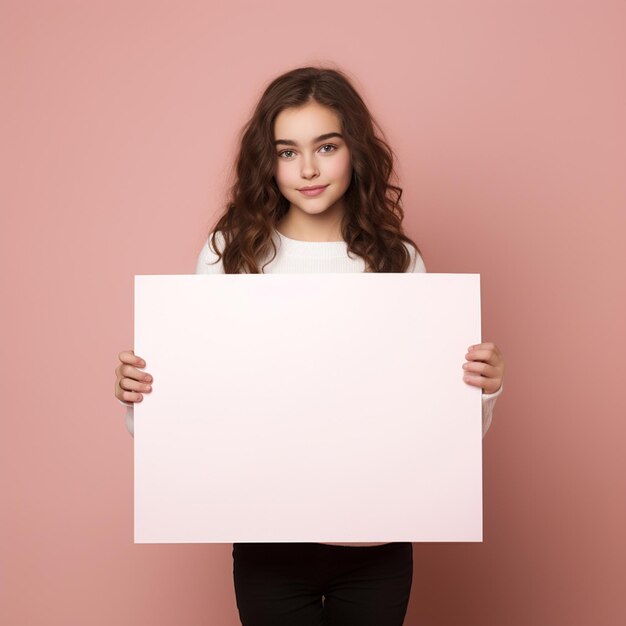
<point x="309" y="167"/>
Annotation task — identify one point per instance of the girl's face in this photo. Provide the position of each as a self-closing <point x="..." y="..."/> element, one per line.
<point x="310" y="151"/>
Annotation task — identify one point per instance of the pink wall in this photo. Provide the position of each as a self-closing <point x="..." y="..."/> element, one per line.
<point x="118" y="129"/>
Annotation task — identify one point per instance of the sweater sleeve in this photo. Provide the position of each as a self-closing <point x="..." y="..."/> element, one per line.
<point x="488" y="399"/>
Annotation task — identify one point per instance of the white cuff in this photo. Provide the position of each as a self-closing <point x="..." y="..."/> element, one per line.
<point x="129" y="417"/>
<point x="489" y="401"/>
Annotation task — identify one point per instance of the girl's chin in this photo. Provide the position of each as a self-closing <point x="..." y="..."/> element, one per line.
<point x="309" y="210"/>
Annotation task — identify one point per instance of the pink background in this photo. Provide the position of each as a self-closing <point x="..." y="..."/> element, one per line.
<point x="119" y="122"/>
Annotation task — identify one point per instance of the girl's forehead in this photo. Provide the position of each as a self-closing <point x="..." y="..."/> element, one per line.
<point x="311" y="119"/>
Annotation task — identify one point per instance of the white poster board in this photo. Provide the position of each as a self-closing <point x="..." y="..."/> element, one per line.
<point x="307" y="408"/>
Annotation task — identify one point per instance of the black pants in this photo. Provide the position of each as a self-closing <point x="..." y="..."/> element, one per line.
<point x="282" y="584"/>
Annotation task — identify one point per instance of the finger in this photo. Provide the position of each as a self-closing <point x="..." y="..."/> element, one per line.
<point x="127" y="395"/>
<point x="483" y="355"/>
<point x="131" y="396"/>
<point x="132" y="385"/>
<point x="474" y="379"/>
<point x="479" y="367"/>
<point x="486" y="345"/>
<point x="128" y="356"/>
<point x="132" y="372"/>
<point x="488" y="385"/>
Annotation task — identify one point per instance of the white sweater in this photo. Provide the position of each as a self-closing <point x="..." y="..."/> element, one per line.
<point x="294" y="256"/>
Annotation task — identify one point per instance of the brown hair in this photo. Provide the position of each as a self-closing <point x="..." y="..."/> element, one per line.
<point x="371" y="225"/>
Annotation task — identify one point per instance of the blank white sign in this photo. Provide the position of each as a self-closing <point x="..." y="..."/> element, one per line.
<point x="307" y="408"/>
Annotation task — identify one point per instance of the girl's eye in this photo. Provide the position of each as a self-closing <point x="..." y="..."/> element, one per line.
<point x="327" y="145"/>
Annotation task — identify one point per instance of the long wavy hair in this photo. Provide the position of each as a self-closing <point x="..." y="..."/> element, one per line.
<point x="372" y="222"/>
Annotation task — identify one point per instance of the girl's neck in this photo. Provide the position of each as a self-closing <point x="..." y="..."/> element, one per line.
<point x="306" y="227"/>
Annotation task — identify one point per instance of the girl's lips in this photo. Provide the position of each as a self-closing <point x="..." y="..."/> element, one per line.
<point x="312" y="192"/>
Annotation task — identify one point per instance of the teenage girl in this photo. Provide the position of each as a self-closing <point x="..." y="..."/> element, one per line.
<point x="313" y="194"/>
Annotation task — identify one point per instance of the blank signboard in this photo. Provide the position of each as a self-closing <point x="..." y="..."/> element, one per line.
<point x="307" y="408"/>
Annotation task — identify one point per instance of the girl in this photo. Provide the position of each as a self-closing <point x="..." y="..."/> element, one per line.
<point x="313" y="194"/>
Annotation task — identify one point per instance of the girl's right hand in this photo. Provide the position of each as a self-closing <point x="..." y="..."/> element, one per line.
<point x="129" y="380"/>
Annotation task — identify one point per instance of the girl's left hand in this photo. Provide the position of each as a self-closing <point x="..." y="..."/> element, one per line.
<point x="484" y="367"/>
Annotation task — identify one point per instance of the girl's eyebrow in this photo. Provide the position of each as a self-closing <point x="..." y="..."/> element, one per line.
<point x="291" y="142"/>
